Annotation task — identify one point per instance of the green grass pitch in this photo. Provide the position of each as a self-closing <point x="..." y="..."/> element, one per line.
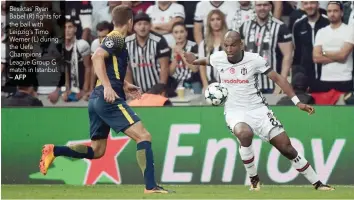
<point x="183" y="192"/>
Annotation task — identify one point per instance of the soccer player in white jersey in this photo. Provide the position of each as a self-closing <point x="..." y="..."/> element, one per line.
<point x="246" y="110"/>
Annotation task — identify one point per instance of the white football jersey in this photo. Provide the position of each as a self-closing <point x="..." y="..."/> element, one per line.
<point x="241" y="80"/>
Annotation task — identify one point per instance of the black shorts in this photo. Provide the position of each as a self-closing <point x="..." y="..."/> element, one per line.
<point x="103" y="116"/>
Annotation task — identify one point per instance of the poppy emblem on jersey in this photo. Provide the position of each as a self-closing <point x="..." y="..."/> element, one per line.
<point x="109" y="43"/>
<point x="232" y="70"/>
<point x="243" y="71"/>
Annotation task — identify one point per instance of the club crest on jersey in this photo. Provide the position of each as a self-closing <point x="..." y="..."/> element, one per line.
<point x="232" y="70"/>
<point x="109" y="43"/>
<point x="244" y="71"/>
<point x="267" y="64"/>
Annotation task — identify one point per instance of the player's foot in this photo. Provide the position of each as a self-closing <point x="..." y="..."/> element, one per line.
<point x="158" y="189"/>
<point x="47" y="158"/>
<point x="322" y="187"/>
<point x="255" y="183"/>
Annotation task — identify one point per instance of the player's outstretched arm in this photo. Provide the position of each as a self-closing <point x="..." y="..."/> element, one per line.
<point x="190" y="58"/>
<point x="287" y="88"/>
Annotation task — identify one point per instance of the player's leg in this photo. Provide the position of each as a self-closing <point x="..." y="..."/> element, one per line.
<point x="244" y="134"/>
<point x="121" y="118"/>
<point x="281" y="141"/>
<point x="99" y="131"/>
<point x="145" y="157"/>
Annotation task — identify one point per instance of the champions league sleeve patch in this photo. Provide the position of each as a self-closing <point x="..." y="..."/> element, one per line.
<point x="109" y="43"/>
<point x="113" y="42"/>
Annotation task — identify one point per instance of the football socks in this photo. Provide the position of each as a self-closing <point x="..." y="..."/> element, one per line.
<point x="304" y="167"/>
<point x="247" y="157"/>
<point x="145" y="160"/>
<point x="74" y="151"/>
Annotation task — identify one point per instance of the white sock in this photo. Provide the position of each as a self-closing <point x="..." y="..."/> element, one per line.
<point x="303" y="166"/>
<point x="247" y="157"/>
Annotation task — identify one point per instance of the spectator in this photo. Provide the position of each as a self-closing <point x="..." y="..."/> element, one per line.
<point x="300" y="12"/>
<point x="216" y="28"/>
<point x="351" y="16"/>
<point x="304" y="32"/>
<point x="203" y="9"/>
<point x="156" y="96"/>
<point x="24" y="97"/>
<point x="80" y="12"/>
<point x="189" y="9"/>
<point x="23" y="55"/>
<point x="245" y="13"/>
<point x="51" y="49"/>
<point x="270" y="38"/>
<point x="138" y="6"/>
<point x="3" y="20"/>
<point x="103" y="14"/>
<point x="164" y="14"/>
<point x="347" y="9"/>
<point x="149" y="55"/>
<point x="323" y="4"/>
<point x="333" y="49"/>
<point x="300" y="84"/>
<point x="78" y="65"/>
<point x="350" y="22"/>
<point x="102" y="29"/>
<point x="180" y="70"/>
<point x="3" y="45"/>
<point x="277" y="9"/>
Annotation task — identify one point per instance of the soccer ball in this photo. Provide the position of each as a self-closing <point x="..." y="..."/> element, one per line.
<point x="216" y="94"/>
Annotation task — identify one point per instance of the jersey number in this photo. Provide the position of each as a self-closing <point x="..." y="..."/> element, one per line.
<point x="274" y="121"/>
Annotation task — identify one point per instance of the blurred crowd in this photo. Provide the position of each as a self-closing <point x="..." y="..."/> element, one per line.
<point x="308" y="42"/>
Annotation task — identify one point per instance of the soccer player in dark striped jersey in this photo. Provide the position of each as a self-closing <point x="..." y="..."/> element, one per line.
<point x="107" y="107"/>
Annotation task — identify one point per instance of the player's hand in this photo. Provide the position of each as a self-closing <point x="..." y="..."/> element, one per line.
<point x="132" y="91"/>
<point x="307" y="108"/>
<point x="110" y="95"/>
<point x="189" y="57"/>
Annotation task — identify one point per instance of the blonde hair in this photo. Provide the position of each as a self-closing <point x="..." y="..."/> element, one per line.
<point x="209" y="36"/>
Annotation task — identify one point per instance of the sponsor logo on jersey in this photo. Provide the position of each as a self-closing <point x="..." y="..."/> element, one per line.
<point x="235" y="81"/>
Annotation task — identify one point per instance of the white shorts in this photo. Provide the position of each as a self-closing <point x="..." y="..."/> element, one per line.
<point x="261" y="120"/>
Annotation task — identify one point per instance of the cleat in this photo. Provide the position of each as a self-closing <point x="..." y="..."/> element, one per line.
<point x="322" y="187"/>
<point x="158" y="190"/>
<point x="255" y="183"/>
<point x="47" y="158"/>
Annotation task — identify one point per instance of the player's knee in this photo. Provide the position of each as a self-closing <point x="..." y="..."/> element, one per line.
<point x="143" y="136"/>
<point x="243" y="134"/>
<point x="98" y="151"/>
